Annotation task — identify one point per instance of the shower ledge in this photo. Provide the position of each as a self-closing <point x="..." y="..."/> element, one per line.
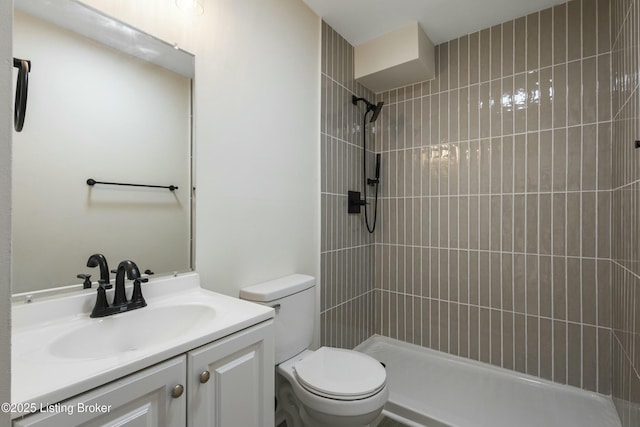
<point x="435" y="389"/>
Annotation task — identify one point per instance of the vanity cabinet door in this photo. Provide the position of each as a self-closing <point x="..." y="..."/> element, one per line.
<point x="139" y="400"/>
<point x="231" y="381"/>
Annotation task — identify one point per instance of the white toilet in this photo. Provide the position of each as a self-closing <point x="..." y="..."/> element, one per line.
<point x="327" y="387"/>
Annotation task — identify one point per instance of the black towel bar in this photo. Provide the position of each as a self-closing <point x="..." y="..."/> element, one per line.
<point x="93" y="182"/>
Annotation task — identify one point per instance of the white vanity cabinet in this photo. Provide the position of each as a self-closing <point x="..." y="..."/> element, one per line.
<point x="227" y="383"/>
<point x="231" y="381"/>
<point x="140" y="399"/>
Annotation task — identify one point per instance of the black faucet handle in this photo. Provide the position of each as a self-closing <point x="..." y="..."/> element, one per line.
<point x="143" y="279"/>
<point x="148" y="272"/>
<point x="104" y="284"/>
<point x="87" y="280"/>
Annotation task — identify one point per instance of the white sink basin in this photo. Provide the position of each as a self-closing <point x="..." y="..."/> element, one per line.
<point x="137" y="330"/>
<point x="58" y="351"/>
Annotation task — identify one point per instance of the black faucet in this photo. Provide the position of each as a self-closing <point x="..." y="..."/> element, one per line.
<point x="96" y="260"/>
<point x="120" y="303"/>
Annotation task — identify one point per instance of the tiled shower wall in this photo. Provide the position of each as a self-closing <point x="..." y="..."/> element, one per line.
<point x="495" y="235"/>
<point x="626" y="211"/>
<point x="347" y="250"/>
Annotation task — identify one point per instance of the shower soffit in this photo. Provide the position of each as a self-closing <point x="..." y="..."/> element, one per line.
<point x="359" y="21"/>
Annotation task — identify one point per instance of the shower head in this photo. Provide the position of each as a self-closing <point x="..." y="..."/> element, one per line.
<point x="376" y="108"/>
<point x="376" y="111"/>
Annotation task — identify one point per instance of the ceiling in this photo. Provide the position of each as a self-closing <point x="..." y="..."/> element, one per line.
<point x="359" y="21"/>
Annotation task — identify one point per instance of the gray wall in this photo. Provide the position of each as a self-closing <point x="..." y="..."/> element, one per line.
<point x="495" y="241"/>
<point x="626" y="212"/>
<point x="6" y="127"/>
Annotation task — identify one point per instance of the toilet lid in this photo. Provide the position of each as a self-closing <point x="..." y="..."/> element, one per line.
<point x="340" y="374"/>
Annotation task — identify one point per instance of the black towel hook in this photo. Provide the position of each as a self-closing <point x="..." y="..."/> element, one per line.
<point x="22" y="86"/>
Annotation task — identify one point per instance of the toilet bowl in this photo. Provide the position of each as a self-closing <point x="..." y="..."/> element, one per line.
<point x="328" y="387"/>
<point x="335" y="387"/>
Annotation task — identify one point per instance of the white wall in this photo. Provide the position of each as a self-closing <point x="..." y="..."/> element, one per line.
<point x="257" y="205"/>
<point x="257" y="133"/>
<point x="6" y="128"/>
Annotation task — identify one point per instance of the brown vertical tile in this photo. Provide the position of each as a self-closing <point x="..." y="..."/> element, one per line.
<point x="589" y="359"/>
<point x="474" y="58"/>
<point x="520" y="45"/>
<point x="604" y="360"/>
<point x="496" y="223"/>
<point x="485" y="279"/>
<point x="546" y="161"/>
<point x="573" y="290"/>
<point x="435" y="325"/>
<point x="533" y="284"/>
<point x="559" y="222"/>
<point x="495" y="107"/>
<point x="507" y="340"/>
<point x="546" y="349"/>
<point x="532" y="223"/>
<point x="485" y="110"/>
<point x="507" y="164"/>
<point x="506" y="277"/>
<point x="425" y="304"/>
<point x="574" y="92"/>
<point x="574" y="37"/>
<point x="589" y="294"/>
<point x="519" y="225"/>
<point x="545" y="286"/>
<point x="474" y="278"/>
<point x="560" y="160"/>
<point x="474" y="112"/>
<point x="604" y="293"/>
<point x="496" y="337"/>
<point x="560" y="87"/>
<point x="603" y="16"/>
<point x="463" y="61"/>
<point x="559" y="288"/>
<point x="496" y="52"/>
<point x="560" y="352"/>
<point x="546" y="98"/>
<point x="520" y="343"/>
<point x="574" y="354"/>
<point x="589" y="157"/>
<point x="519" y="164"/>
<point x="519" y="283"/>
<point x="574" y="156"/>
<point x="546" y="37"/>
<point x="507" y="104"/>
<point x="485" y="55"/>
<point x="589" y="209"/>
<point x="507" y="48"/>
<point x="559" y="33"/>
<point x="463" y="276"/>
<point x="573" y="224"/>
<point x="532" y="41"/>
<point x="589" y="42"/>
<point x="485" y="335"/>
<point x="474" y="333"/>
<point x="463" y="331"/>
<point x="453" y="63"/>
<point x="443" y="75"/>
<point x="532" y="162"/>
<point x="520" y="102"/>
<point x="589" y="89"/>
<point x="604" y="86"/>
<point x="444" y="327"/>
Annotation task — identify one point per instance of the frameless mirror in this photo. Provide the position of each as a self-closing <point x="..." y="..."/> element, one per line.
<point x="110" y="103"/>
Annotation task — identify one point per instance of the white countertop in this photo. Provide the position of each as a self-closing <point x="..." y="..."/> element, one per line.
<point x="40" y="377"/>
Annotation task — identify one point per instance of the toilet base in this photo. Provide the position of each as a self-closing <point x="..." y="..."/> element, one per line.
<point x="290" y="411"/>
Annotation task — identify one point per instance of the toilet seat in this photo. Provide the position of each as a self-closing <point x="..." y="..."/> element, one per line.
<point x="340" y="374"/>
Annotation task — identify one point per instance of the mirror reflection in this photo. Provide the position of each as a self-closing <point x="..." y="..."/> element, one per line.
<point x="96" y="112"/>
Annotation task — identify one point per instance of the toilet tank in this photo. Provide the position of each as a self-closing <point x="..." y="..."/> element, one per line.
<point x="293" y="298"/>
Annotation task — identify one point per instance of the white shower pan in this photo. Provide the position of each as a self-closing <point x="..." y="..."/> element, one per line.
<point x="435" y="389"/>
